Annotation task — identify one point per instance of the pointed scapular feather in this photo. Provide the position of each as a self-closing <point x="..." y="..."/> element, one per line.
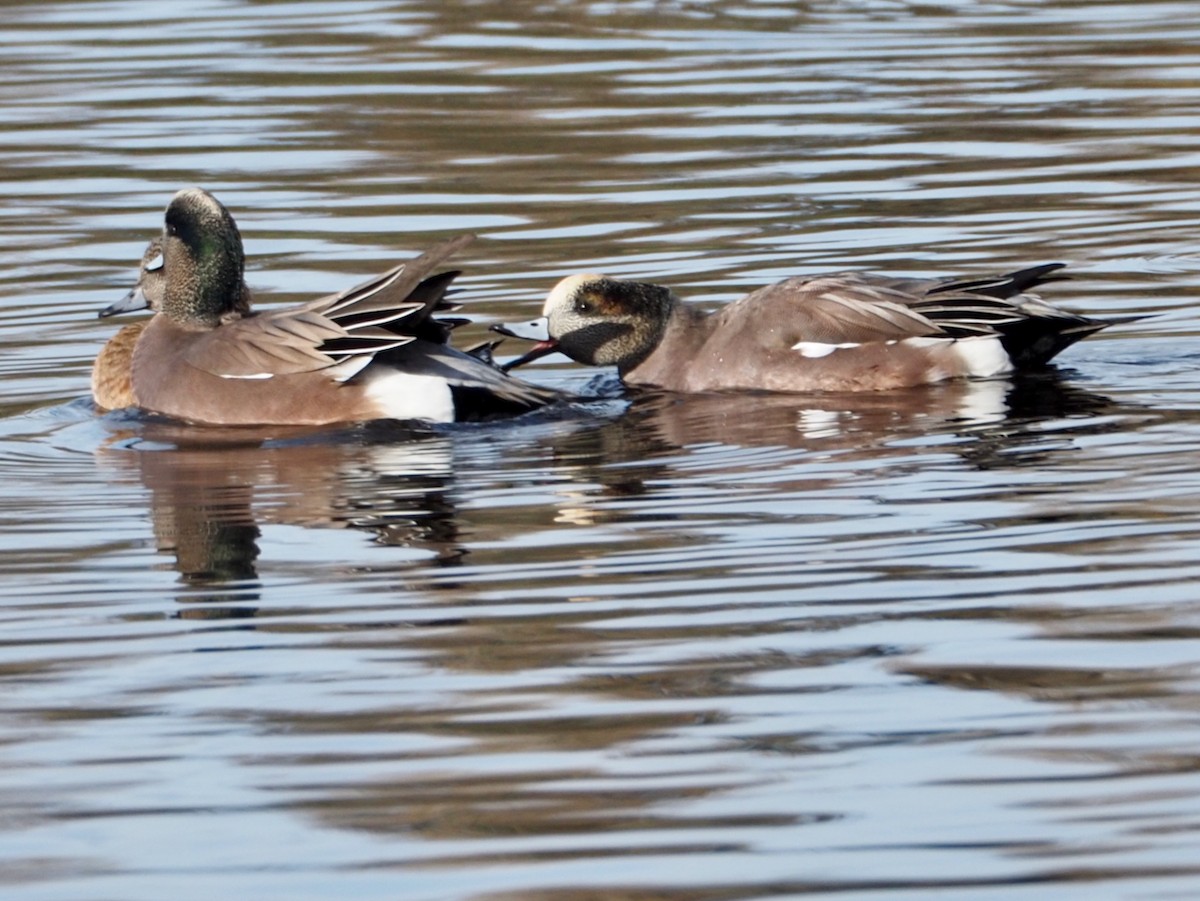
<point x="1007" y="285"/>
<point x="373" y="343"/>
<point x="375" y="316"/>
<point x="395" y="286"/>
<point x="372" y="318"/>
<point x="838" y="316"/>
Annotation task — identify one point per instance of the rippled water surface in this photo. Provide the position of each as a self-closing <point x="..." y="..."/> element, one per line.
<point x="938" y="643"/>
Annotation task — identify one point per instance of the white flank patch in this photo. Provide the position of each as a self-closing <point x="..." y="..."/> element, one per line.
<point x="983" y="356"/>
<point x="400" y="395"/>
<point x="815" y="349"/>
<point x="253" y="375"/>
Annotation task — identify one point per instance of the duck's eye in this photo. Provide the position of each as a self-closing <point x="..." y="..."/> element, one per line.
<point x="582" y="306"/>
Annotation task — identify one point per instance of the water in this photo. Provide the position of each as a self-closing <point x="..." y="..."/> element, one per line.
<point x="934" y="643"/>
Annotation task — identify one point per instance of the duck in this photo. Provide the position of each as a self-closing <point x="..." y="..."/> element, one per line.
<point x="112" y="375"/>
<point x="842" y="332"/>
<point x="374" y="351"/>
<point x="112" y="370"/>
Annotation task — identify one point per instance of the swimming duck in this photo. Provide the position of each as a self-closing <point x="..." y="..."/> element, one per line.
<point x="840" y="332"/>
<point x="372" y="352"/>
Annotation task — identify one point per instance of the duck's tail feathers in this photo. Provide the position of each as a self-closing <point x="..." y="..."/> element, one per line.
<point x="1004" y="286"/>
<point x="1034" y="342"/>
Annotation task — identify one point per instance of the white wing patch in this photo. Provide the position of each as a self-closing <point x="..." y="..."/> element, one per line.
<point x="927" y="342"/>
<point x="981" y="356"/>
<point x="253" y="375"/>
<point x="815" y="349"/>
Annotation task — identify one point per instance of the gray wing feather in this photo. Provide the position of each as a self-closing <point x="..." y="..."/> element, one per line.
<point x="858" y="308"/>
<point x="833" y="310"/>
<point x="329" y="330"/>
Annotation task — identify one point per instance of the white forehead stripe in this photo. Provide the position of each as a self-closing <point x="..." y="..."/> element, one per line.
<point x="561" y="294"/>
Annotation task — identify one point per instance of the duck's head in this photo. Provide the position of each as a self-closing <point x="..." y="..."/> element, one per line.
<point x="598" y="321"/>
<point x="203" y="260"/>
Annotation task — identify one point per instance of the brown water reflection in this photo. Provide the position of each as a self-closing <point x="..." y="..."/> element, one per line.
<point x="210" y="500"/>
<point x="210" y="490"/>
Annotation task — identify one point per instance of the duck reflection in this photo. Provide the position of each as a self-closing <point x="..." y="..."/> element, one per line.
<point x="988" y="424"/>
<point x="852" y="421"/>
<point x="515" y="663"/>
<point x="212" y="490"/>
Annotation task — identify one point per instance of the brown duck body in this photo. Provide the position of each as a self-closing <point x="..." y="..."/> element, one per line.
<point x="840" y="332"/>
<point x="805" y="335"/>
<point x="372" y="352"/>
<point x="231" y="375"/>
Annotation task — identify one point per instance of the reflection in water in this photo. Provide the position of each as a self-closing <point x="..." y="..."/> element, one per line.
<point x="988" y="424"/>
<point x="212" y="490"/>
<point x="554" y="715"/>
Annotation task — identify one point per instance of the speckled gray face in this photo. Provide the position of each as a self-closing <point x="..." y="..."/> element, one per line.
<point x="606" y="322"/>
<point x="148" y="292"/>
<point x="597" y="321"/>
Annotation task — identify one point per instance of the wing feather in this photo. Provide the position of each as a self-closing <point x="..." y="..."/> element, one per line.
<point x="858" y="308"/>
<point x="831" y="310"/>
<point x="381" y="314"/>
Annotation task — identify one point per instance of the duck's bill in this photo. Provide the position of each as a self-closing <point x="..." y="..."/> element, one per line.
<point x="536" y="331"/>
<point x="131" y="302"/>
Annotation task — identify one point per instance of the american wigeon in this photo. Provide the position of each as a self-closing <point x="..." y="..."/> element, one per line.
<point x="112" y="371"/>
<point x="841" y="332"/>
<point x="373" y="352"/>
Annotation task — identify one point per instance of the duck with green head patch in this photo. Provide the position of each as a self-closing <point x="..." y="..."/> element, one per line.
<point x="372" y="352"/>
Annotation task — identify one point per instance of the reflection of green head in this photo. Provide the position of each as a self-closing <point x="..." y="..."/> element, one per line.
<point x="202" y="260"/>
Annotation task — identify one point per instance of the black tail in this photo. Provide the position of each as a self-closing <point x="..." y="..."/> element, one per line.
<point x="1032" y="343"/>
<point x="1032" y="332"/>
